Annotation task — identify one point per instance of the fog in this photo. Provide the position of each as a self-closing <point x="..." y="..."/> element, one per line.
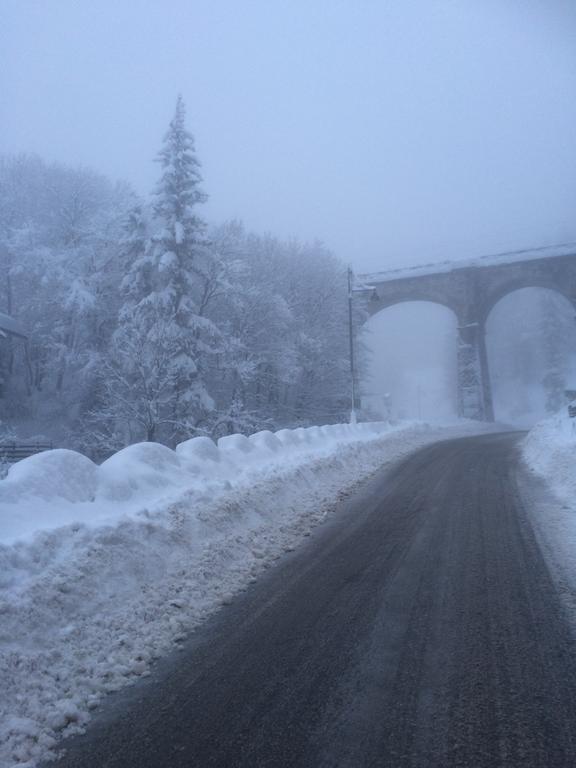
<point x="531" y="343"/>
<point x="411" y="370"/>
<point x="394" y="133"/>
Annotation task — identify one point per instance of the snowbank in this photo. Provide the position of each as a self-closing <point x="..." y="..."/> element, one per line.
<point x="62" y="487"/>
<point x="550" y="450"/>
<point x="103" y="569"/>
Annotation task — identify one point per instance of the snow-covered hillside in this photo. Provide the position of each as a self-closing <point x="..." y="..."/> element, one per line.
<point x="104" y="568"/>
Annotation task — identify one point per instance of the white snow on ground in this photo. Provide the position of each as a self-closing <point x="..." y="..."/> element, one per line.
<point x="103" y="569"/>
<point x="550" y="450"/>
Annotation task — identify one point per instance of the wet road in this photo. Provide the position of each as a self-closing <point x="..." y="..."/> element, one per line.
<point x="419" y="627"/>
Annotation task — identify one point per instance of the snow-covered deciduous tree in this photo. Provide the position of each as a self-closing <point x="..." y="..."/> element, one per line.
<point x="137" y="388"/>
<point x="283" y="314"/>
<point x="60" y="227"/>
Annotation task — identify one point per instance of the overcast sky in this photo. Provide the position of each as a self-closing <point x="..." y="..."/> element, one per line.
<point x="396" y="131"/>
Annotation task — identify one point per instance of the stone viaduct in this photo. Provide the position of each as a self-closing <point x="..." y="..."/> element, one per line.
<point x="471" y="289"/>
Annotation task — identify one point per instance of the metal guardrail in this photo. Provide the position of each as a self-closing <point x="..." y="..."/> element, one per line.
<point x="15" y="451"/>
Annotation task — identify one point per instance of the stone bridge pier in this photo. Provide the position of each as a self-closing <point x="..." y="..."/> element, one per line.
<point x="474" y="389"/>
<point x="471" y="290"/>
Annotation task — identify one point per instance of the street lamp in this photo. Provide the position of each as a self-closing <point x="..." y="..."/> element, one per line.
<point x="351" y="339"/>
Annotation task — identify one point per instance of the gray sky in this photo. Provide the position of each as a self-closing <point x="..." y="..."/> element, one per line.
<point x="397" y="131"/>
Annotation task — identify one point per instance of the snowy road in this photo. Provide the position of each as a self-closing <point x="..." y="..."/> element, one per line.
<point x="418" y="627"/>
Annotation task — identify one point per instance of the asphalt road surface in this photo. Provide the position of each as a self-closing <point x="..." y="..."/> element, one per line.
<point x="419" y="627"/>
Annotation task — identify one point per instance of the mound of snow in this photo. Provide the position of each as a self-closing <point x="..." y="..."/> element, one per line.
<point x="61" y="487"/>
<point x="266" y="441"/>
<point x="57" y="474"/>
<point x="141" y="469"/>
<point x="198" y="449"/>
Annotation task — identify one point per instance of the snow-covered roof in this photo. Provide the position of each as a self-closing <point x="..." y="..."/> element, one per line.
<point x="9" y="325"/>
<point x="565" y="249"/>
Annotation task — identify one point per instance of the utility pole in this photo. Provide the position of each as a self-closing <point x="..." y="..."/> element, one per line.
<point x="419" y="400"/>
<point x="352" y="361"/>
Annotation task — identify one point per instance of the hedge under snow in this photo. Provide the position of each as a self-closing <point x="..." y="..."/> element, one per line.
<point x="61" y="487"/>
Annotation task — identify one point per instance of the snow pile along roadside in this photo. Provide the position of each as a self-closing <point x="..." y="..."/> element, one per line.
<point x="61" y="487"/>
<point x="550" y="450"/>
<point x="103" y="569"/>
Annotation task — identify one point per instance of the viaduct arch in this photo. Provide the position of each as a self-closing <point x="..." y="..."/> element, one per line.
<point x="471" y="289"/>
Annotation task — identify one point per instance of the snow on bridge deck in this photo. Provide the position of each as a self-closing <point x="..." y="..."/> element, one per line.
<point x="565" y="249"/>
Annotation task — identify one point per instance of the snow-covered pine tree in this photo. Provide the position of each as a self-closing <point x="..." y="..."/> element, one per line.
<point x="182" y="252"/>
<point x="161" y="324"/>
